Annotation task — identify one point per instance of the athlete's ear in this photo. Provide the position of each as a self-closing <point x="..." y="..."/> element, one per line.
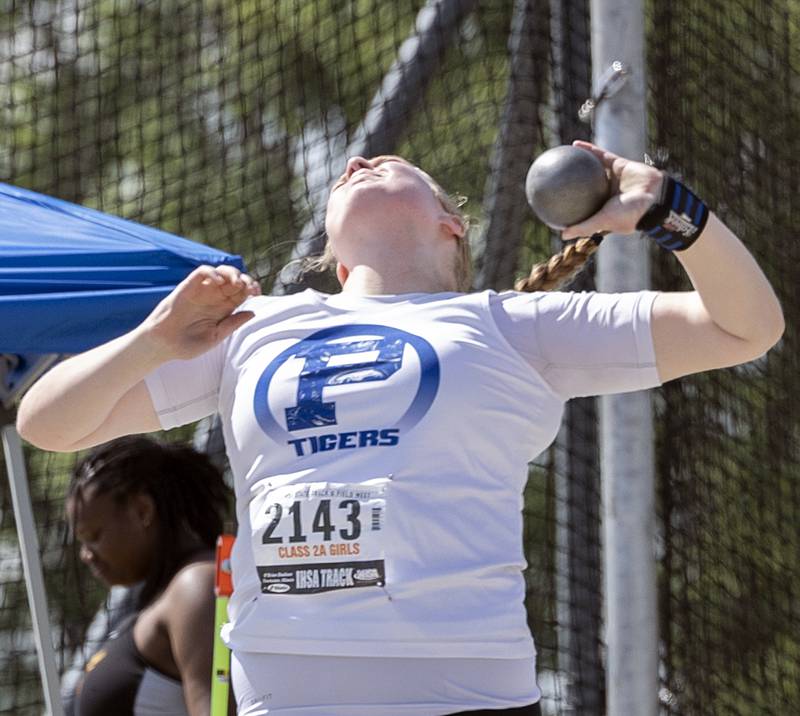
<point x="144" y="507"/>
<point x="342" y="272"/>
<point x="452" y="225"/>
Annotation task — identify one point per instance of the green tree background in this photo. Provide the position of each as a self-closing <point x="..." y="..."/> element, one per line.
<point x="220" y="120"/>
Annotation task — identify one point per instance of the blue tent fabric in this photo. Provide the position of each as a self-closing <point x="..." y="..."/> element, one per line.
<point x="72" y="277"/>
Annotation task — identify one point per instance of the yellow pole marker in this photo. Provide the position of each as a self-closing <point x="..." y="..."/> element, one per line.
<point x="221" y="665"/>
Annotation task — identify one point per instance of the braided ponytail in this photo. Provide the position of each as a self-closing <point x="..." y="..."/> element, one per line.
<point x="561" y="267"/>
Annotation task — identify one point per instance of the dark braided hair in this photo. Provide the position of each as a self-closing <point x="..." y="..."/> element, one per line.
<point x="188" y="491"/>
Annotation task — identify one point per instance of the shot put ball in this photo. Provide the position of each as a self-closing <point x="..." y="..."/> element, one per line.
<point x="566" y="185"/>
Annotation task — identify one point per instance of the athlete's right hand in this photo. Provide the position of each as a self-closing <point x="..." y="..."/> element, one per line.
<point x="200" y="312"/>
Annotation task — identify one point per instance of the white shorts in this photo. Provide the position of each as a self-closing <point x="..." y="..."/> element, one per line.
<point x="350" y="686"/>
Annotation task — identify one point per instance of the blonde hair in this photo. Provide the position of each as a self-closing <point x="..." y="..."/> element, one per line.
<point x="559" y="268"/>
<point x="546" y="276"/>
<point x="452" y="205"/>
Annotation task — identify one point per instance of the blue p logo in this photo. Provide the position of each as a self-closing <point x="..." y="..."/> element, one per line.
<point x="372" y="353"/>
<point x="311" y="411"/>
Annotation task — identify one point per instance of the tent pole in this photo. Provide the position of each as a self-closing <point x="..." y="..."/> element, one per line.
<point x="32" y="567"/>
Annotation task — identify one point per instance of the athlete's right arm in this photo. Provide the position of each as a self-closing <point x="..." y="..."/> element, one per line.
<point x="99" y="395"/>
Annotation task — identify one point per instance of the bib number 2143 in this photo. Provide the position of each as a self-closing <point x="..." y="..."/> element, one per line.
<point x="319" y="537"/>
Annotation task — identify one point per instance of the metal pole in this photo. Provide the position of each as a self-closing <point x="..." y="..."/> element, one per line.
<point x="32" y="566"/>
<point x="626" y="430"/>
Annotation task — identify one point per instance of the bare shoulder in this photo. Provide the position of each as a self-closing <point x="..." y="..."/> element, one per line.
<point x="192" y="587"/>
<point x="193" y="575"/>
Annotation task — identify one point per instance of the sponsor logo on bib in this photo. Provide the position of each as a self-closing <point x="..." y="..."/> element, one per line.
<point x="278" y="588"/>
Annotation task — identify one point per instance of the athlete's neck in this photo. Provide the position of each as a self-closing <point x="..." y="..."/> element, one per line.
<point x="366" y="281"/>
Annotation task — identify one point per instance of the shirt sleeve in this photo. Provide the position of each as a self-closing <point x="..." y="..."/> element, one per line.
<point x="582" y="343"/>
<point x="184" y="391"/>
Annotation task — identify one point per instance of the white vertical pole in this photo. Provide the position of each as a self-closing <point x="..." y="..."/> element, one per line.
<point x="32" y="566"/>
<point x="626" y="428"/>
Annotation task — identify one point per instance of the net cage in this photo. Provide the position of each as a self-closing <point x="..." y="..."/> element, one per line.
<point x="226" y="121"/>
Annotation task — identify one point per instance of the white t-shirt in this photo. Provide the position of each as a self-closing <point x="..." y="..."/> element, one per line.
<point x="379" y="447"/>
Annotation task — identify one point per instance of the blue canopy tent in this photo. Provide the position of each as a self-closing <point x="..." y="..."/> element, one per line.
<point x="70" y="279"/>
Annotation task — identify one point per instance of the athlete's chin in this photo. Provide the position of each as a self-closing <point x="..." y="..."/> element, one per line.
<point x="111" y="577"/>
<point x="374" y="220"/>
<point x="104" y="576"/>
<point x="386" y="201"/>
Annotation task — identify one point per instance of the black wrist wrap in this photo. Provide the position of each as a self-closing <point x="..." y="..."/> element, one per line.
<point x="677" y="219"/>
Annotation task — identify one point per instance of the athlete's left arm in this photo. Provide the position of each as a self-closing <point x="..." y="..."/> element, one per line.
<point x="733" y="314"/>
<point x="190" y="622"/>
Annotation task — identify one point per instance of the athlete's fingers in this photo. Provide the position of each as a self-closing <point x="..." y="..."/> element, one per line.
<point x="232" y="282"/>
<point x="230" y="273"/>
<point x="253" y="286"/>
<point x="228" y="280"/>
<point x="606" y="219"/>
<point x="218" y="287"/>
<point x="608" y="158"/>
<point x="203" y="274"/>
<point x="589" y="146"/>
<point x="238" y="286"/>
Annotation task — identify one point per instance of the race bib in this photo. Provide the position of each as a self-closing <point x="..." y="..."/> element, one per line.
<point x="320" y="536"/>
